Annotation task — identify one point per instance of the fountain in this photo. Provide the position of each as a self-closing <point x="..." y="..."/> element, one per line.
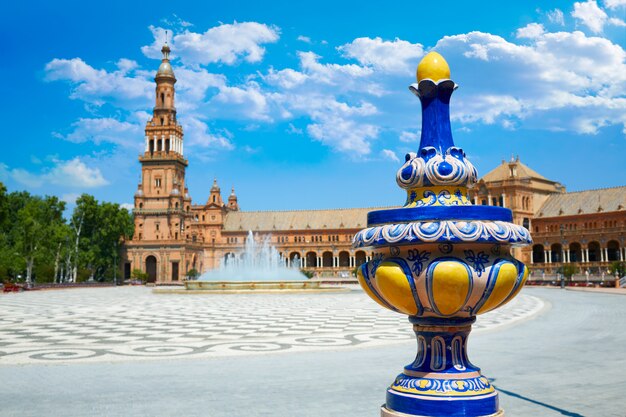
<point x="441" y="261"/>
<point x="257" y="267"/>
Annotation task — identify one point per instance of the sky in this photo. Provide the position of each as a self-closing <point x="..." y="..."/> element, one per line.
<point x="305" y="105"/>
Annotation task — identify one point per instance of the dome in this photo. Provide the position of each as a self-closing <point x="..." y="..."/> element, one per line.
<point x="165" y="69"/>
<point x="215" y="187"/>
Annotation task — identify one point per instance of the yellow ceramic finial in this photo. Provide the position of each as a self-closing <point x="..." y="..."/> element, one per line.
<point x="433" y="67"/>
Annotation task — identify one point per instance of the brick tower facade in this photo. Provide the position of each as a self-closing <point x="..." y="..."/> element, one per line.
<point x="162" y="202"/>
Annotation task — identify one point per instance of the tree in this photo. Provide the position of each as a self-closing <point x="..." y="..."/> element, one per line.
<point x="192" y="274"/>
<point x="138" y="274"/>
<point x="98" y="231"/>
<point x="568" y="270"/>
<point x="5" y="232"/>
<point x="34" y="229"/>
<point x="618" y="268"/>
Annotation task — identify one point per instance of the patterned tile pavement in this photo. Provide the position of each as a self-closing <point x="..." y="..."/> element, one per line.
<point x="131" y="323"/>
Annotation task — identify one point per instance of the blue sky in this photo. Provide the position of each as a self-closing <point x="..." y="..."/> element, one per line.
<point x="306" y="105"/>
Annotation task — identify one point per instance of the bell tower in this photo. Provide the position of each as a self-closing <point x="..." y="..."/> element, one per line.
<point x="166" y="244"/>
<point x="162" y="202"/>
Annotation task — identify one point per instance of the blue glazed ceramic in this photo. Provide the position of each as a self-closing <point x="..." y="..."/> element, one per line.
<point x="441" y="261"/>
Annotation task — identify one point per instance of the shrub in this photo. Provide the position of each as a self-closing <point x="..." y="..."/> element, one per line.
<point x="139" y="275"/>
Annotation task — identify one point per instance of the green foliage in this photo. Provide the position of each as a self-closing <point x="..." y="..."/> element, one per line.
<point x="193" y="274"/>
<point x="44" y="272"/>
<point x="307" y="274"/>
<point x="568" y="270"/>
<point x="38" y="243"/>
<point x="138" y="274"/>
<point x="28" y="234"/>
<point x="618" y="268"/>
<point x="83" y="275"/>
<point x="103" y="227"/>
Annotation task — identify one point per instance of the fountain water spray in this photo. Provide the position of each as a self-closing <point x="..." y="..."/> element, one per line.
<point x="257" y="262"/>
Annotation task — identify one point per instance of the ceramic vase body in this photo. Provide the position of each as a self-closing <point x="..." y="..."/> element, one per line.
<point x="442" y="287"/>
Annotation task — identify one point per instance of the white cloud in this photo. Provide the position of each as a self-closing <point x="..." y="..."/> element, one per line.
<point x="293" y="130"/>
<point x="531" y="31"/>
<point x="397" y="56"/>
<point x="70" y="198"/>
<point x="286" y="78"/>
<point x="538" y="82"/>
<point x="105" y="130"/>
<point x="556" y="16"/>
<point x="73" y="173"/>
<point x="226" y="43"/>
<point x="613" y="4"/>
<point x="304" y="39"/>
<point x="98" y="86"/>
<point x="126" y="65"/>
<point x="26" y="178"/>
<point x="249" y="149"/>
<point x="391" y="155"/>
<point x="127" y="206"/>
<point x="246" y="102"/>
<point x="550" y="80"/>
<point x="176" y="22"/>
<point x="331" y="74"/>
<point x="590" y="15"/>
<point x="194" y="85"/>
<point x="199" y="135"/>
<point x="344" y="135"/>
<point x="409" y="137"/>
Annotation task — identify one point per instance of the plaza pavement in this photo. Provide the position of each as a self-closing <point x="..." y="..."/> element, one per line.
<point x="565" y="358"/>
<point x="132" y="323"/>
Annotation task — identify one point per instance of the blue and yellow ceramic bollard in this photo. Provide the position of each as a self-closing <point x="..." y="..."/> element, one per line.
<point x="441" y="261"/>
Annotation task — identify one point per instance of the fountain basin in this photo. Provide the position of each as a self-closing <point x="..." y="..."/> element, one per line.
<point x="256" y="286"/>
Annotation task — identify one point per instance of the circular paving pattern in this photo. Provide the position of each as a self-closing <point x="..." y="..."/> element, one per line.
<point x="130" y="323"/>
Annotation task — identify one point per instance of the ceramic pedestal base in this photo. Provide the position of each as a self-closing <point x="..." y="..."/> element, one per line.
<point x="384" y="412"/>
<point x="441" y="381"/>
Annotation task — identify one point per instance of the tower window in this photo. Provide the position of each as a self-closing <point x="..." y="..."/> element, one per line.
<point x="157" y="182"/>
<point x="162" y="101"/>
<point x="162" y="121"/>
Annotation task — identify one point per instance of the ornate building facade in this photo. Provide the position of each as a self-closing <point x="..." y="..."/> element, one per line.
<point x="173" y="236"/>
<point x="586" y="228"/>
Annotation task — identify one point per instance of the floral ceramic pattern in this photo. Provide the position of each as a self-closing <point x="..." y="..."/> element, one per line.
<point x="444" y="231"/>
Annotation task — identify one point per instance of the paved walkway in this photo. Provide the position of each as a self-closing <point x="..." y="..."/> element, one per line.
<point x="568" y="360"/>
<point x="132" y="323"/>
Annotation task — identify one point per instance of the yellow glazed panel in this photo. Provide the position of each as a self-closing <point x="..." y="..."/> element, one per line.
<point x="394" y="287"/>
<point x="518" y="288"/>
<point x="505" y="281"/>
<point x="450" y="286"/>
<point x="366" y="288"/>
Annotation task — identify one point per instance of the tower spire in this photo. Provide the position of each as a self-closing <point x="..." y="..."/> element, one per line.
<point x="163" y="133"/>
